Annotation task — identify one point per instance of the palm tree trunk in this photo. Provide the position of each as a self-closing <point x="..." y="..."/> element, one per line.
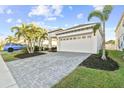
<point x="103" y="44"/>
<point x="41" y="43"/>
<point x="33" y="46"/>
<point x="28" y="48"/>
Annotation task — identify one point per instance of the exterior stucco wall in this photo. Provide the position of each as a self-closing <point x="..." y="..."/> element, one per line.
<point x="119" y="42"/>
<point x="120" y="38"/>
<point x="110" y="46"/>
<point x="99" y="41"/>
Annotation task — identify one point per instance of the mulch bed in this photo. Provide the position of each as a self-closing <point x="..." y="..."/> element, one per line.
<point x="94" y="61"/>
<point x="26" y="55"/>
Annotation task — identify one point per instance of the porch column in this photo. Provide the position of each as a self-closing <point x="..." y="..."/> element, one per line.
<point x="50" y="44"/>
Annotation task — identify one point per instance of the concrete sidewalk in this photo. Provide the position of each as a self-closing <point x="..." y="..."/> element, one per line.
<point x="6" y="79"/>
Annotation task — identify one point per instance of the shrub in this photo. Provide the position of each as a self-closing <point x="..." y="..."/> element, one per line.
<point x="24" y="50"/>
<point x="54" y="49"/>
<point x="36" y="48"/>
<point x="45" y="48"/>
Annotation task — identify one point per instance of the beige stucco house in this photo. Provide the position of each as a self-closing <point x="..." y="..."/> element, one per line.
<point x="110" y="45"/>
<point x="119" y="32"/>
<point x="76" y="39"/>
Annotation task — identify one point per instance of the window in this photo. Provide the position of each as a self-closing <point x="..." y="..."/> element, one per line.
<point x="61" y="39"/>
<point x="88" y="36"/>
<point x="70" y="38"/>
<point x="79" y="37"/>
<point x="83" y="37"/>
<point x="74" y="37"/>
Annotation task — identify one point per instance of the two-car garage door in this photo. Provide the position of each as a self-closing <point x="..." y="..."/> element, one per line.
<point x="77" y="44"/>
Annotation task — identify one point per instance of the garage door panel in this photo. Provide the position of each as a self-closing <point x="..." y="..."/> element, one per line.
<point x="79" y="45"/>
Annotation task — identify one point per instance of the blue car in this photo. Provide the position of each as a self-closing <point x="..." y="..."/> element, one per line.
<point x="10" y="47"/>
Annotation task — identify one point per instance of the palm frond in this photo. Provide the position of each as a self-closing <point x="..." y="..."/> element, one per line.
<point x="95" y="14"/>
<point x="15" y="28"/>
<point x="106" y="11"/>
<point x="96" y="27"/>
<point x="18" y="35"/>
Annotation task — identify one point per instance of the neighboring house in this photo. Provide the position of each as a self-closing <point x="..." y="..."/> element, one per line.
<point x="120" y="34"/>
<point x="77" y="39"/>
<point x="110" y="45"/>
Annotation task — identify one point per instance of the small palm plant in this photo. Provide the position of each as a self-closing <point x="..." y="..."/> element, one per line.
<point x="103" y="16"/>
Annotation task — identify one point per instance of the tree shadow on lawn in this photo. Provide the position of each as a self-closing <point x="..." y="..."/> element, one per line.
<point x="95" y="62"/>
<point x="27" y="55"/>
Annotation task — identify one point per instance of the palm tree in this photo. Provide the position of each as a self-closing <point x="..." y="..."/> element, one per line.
<point x="11" y="39"/>
<point x="42" y="36"/>
<point x="31" y="33"/>
<point x="103" y="16"/>
<point x="2" y="43"/>
<point x="21" y="31"/>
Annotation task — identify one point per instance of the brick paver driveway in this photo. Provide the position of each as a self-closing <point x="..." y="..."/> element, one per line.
<point x="45" y="70"/>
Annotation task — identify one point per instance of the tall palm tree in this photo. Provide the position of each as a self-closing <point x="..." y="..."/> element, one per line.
<point x="42" y="36"/>
<point x="21" y="31"/>
<point x="103" y="16"/>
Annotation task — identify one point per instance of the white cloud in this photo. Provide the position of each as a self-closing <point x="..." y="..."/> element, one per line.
<point x="66" y="25"/>
<point x="61" y="15"/>
<point x="79" y="16"/>
<point x="57" y="10"/>
<point x="9" y="11"/>
<point x="42" y="24"/>
<point x="98" y="7"/>
<point x="70" y="7"/>
<point x="51" y="18"/>
<point x="5" y="10"/>
<point x="19" y="21"/>
<point x="2" y="9"/>
<point x="40" y="11"/>
<point x="46" y="11"/>
<point x="75" y="24"/>
<point x="9" y="20"/>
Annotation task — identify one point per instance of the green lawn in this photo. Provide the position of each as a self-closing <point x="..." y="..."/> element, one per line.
<point x="83" y="77"/>
<point x="10" y="56"/>
<point x="20" y="54"/>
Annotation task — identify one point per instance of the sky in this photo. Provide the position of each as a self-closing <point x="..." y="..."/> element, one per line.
<point x="55" y="16"/>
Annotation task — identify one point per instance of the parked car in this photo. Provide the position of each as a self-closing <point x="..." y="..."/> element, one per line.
<point x="10" y="47"/>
